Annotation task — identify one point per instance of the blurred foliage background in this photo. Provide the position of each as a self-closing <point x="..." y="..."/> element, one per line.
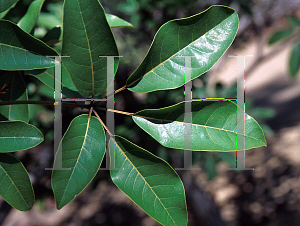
<point x="215" y="196"/>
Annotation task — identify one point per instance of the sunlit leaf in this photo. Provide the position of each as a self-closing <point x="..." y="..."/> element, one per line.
<point x="116" y="22"/>
<point x="213" y="126"/>
<point x="205" y="37"/>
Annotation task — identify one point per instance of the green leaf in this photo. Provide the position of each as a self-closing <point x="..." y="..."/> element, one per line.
<point x="21" y="51"/>
<point x="28" y="21"/>
<point x="210" y="166"/>
<point x="294" y="21"/>
<point x="83" y="148"/>
<point x="15" y="185"/>
<point x="213" y="126"/>
<point x="53" y="36"/>
<point x="116" y="22"/>
<point x="6" y="4"/>
<point x="18" y="135"/>
<point x="295" y="60"/>
<point x="150" y="182"/>
<point x="47" y="77"/>
<point x="206" y="36"/>
<point x="86" y="36"/>
<point x="16" y="92"/>
<point x="279" y="35"/>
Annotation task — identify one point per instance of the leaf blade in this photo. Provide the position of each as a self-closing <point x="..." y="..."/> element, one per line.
<point x="84" y="43"/>
<point x="28" y="21"/>
<point x="18" y="135"/>
<point x="279" y="35"/>
<point x="213" y="126"/>
<point x="206" y="36"/>
<point x="116" y="22"/>
<point x="16" y="188"/>
<point x="21" y="51"/>
<point x="83" y="154"/>
<point x="161" y="183"/>
<point x="294" y="64"/>
<point x="6" y="4"/>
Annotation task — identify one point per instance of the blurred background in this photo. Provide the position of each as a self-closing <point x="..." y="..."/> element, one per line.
<point x="269" y="30"/>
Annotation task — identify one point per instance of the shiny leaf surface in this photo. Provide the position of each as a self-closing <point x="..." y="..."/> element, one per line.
<point x="18" y="135"/>
<point x="86" y="36"/>
<point x="17" y="92"/>
<point x="15" y="185"/>
<point x="29" y="20"/>
<point x="83" y="148"/>
<point x="150" y="182"/>
<point x="116" y="22"/>
<point x="213" y="126"/>
<point x="21" y="51"/>
<point x="205" y="36"/>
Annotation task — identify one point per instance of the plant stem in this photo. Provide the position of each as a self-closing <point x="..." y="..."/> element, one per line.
<point x="63" y="104"/>
<point x="43" y="103"/>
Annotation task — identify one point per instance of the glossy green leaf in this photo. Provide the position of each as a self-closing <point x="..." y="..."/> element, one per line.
<point x="279" y="35"/>
<point x="295" y="60"/>
<point x="206" y="36"/>
<point x="213" y="126"/>
<point x="6" y="4"/>
<point x="17" y="92"/>
<point x="116" y="22"/>
<point x="18" y="135"/>
<point x="83" y="148"/>
<point x="21" y="51"/>
<point x="150" y="182"/>
<point x="15" y="185"/>
<point x="294" y="21"/>
<point x="86" y="36"/>
<point x="28" y="21"/>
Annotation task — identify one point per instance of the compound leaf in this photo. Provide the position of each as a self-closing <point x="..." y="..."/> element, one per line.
<point x="18" y="135"/>
<point x="16" y="92"/>
<point x="205" y="36"/>
<point x="21" y="51"/>
<point x="149" y="181"/>
<point x="86" y="36"/>
<point x="15" y="185"/>
<point x="83" y="147"/>
<point x="213" y="126"/>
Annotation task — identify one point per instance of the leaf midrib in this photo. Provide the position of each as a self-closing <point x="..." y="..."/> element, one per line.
<point x="161" y="63"/>
<point x="89" y="49"/>
<point x="14" y="185"/>
<point x="145" y="181"/>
